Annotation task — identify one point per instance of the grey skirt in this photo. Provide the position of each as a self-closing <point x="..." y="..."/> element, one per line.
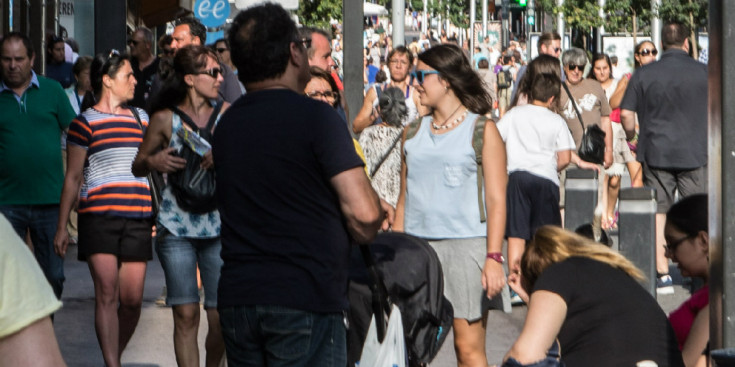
<point x="462" y="260"/>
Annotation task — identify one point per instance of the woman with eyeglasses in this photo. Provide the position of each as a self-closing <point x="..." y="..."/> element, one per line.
<point x="186" y="239"/>
<point x="687" y="245"/>
<point x="114" y="206"/>
<point x="322" y="87"/>
<point x="446" y="193"/>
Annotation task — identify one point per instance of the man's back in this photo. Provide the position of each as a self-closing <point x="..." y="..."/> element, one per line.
<point x="670" y="97"/>
<point x="283" y="237"/>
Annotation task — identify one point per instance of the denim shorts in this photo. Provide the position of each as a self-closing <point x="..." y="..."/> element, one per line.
<point x="179" y="257"/>
<point x="278" y="336"/>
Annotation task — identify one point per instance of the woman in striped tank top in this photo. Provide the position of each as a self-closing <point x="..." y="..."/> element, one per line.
<point x="114" y="206"/>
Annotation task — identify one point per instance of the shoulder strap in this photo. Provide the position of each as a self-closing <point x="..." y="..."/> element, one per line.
<point x="215" y="115"/>
<point x="378" y="91"/>
<point x="137" y="116"/>
<point x="185" y="118"/>
<point x="413" y="127"/>
<point x="386" y="154"/>
<point x="574" y="104"/>
<point x="478" y="136"/>
<point x="212" y="118"/>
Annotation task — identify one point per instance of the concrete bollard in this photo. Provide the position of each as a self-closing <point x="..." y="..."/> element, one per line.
<point x="580" y="198"/>
<point x="637" y="231"/>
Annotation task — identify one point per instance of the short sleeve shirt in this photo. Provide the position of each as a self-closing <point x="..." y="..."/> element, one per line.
<point x="611" y="320"/>
<point x="670" y="98"/>
<point x="591" y="102"/>
<point x="284" y="241"/>
<point x="111" y="142"/>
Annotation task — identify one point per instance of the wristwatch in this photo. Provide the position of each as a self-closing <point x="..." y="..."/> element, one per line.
<point x="497" y="256"/>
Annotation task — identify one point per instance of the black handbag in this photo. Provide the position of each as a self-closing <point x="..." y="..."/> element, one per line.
<point x="194" y="187"/>
<point x="155" y="179"/>
<point x="592" y="148"/>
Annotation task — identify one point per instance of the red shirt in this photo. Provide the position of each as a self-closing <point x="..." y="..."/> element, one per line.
<point x="683" y="317"/>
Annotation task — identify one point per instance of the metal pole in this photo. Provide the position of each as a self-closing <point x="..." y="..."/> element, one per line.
<point x="473" y="17"/>
<point x="56" y="18"/>
<point x="352" y="13"/>
<point x="484" y="18"/>
<point x="560" y="23"/>
<point x="656" y="24"/>
<point x="399" y="21"/>
<point x="600" y="29"/>
<point x="425" y="17"/>
<point x="42" y="50"/>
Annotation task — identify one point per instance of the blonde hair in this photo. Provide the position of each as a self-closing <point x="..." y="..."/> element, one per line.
<point x="553" y="244"/>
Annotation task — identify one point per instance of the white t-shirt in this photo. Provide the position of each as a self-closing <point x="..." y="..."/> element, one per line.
<point x="532" y="136"/>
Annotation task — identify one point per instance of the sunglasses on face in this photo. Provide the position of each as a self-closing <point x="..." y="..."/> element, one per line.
<point x="646" y="52"/>
<point x="306" y="42"/>
<point x="213" y="72"/>
<point x="222" y="50"/>
<point x="419" y="75"/>
<point x="133" y="42"/>
<point x="575" y="67"/>
<point x="325" y="94"/>
<point x="557" y="49"/>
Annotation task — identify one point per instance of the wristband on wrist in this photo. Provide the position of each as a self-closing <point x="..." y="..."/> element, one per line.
<point x="497" y="256"/>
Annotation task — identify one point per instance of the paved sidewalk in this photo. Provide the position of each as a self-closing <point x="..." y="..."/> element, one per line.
<point x="152" y="343"/>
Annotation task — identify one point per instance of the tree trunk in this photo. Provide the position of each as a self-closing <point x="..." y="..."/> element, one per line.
<point x="693" y="36"/>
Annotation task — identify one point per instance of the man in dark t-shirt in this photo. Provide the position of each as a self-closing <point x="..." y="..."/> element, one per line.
<point x="292" y="194"/>
<point x="144" y="64"/>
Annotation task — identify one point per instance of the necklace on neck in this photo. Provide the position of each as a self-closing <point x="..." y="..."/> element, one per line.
<point x="448" y="125"/>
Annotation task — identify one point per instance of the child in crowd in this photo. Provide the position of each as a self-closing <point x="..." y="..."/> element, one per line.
<point x="538" y="145"/>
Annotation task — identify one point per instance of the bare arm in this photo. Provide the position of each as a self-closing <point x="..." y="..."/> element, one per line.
<point x="34" y="345"/>
<point x="546" y="314"/>
<point x="398" y="224"/>
<point x="367" y="114"/>
<point x="584" y="164"/>
<point x="607" y="128"/>
<point x="697" y="339"/>
<point x="563" y="157"/>
<point x="150" y="155"/>
<point x="627" y="118"/>
<point x="359" y="203"/>
<point x="75" y="158"/>
<point x="617" y="97"/>
<point x="495" y="172"/>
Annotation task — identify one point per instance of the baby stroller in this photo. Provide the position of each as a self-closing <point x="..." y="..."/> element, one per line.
<point x="402" y="270"/>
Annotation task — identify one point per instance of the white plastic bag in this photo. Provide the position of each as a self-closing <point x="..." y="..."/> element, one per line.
<point x="392" y="352"/>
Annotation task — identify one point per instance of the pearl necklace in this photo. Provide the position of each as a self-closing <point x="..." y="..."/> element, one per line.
<point x="447" y="126"/>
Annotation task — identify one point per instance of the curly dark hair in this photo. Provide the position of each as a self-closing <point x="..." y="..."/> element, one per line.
<point x="266" y="31"/>
<point x="196" y="28"/>
<point x="393" y="106"/>
<point x="452" y="64"/>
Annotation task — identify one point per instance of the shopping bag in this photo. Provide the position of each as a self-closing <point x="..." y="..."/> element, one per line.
<point x="392" y="351"/>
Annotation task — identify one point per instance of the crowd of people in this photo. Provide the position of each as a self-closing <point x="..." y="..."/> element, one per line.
<point x="465" y="152"/>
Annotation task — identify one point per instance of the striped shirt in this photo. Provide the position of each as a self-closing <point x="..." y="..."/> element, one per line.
<point x="111" y="142"/>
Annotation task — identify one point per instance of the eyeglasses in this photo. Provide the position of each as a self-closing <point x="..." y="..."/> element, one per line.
<point x="213" y="72"/>
<point x="671" y="247"/>
<point x="557" y="49"/>
<point x="306" y="42"/>
<point x="324" y="94"/>
<point x="646" y="52"/>
<point x="222" y="50"/>
<point x="419" y="75"/>
<point x="133" y="42"/>
<point x="577" y="67"/>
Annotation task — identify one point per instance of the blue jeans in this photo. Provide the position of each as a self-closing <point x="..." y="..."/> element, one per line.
<point x="276" y="336"/>
<point x="41" y="221"/>
<point x="179" y="257"/>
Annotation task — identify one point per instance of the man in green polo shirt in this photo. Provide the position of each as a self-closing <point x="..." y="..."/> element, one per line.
<point x="35" y="110"/>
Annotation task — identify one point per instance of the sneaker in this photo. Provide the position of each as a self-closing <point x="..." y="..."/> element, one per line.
<point x="664" y="285"/>
<point x="515" y="299"/>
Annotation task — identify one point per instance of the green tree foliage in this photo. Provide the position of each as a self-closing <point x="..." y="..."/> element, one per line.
<point x="628" y="16"/>
<point x="318" y="13"/>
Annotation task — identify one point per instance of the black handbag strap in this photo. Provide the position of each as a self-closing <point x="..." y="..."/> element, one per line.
<point x="574" y="104"/>
<point x="210" y="124"/>
<point x="386" y="154"/>
<point x="380" y="300"/>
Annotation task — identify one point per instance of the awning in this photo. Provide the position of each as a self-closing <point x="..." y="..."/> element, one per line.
<point x="371" y="9"/>
<point x="155" y="13"/>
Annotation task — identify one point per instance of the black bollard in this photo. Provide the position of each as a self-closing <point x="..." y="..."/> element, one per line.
<point x="637" y="231"/>
<point x="580" y="198"/>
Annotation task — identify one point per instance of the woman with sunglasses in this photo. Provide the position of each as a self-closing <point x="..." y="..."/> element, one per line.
<point x="185" y="239"/>
<point x="114" y="206"/>
<point x="441" y="197"/>
<point x="587" y="97"/>
<point x="687" y="245"/>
